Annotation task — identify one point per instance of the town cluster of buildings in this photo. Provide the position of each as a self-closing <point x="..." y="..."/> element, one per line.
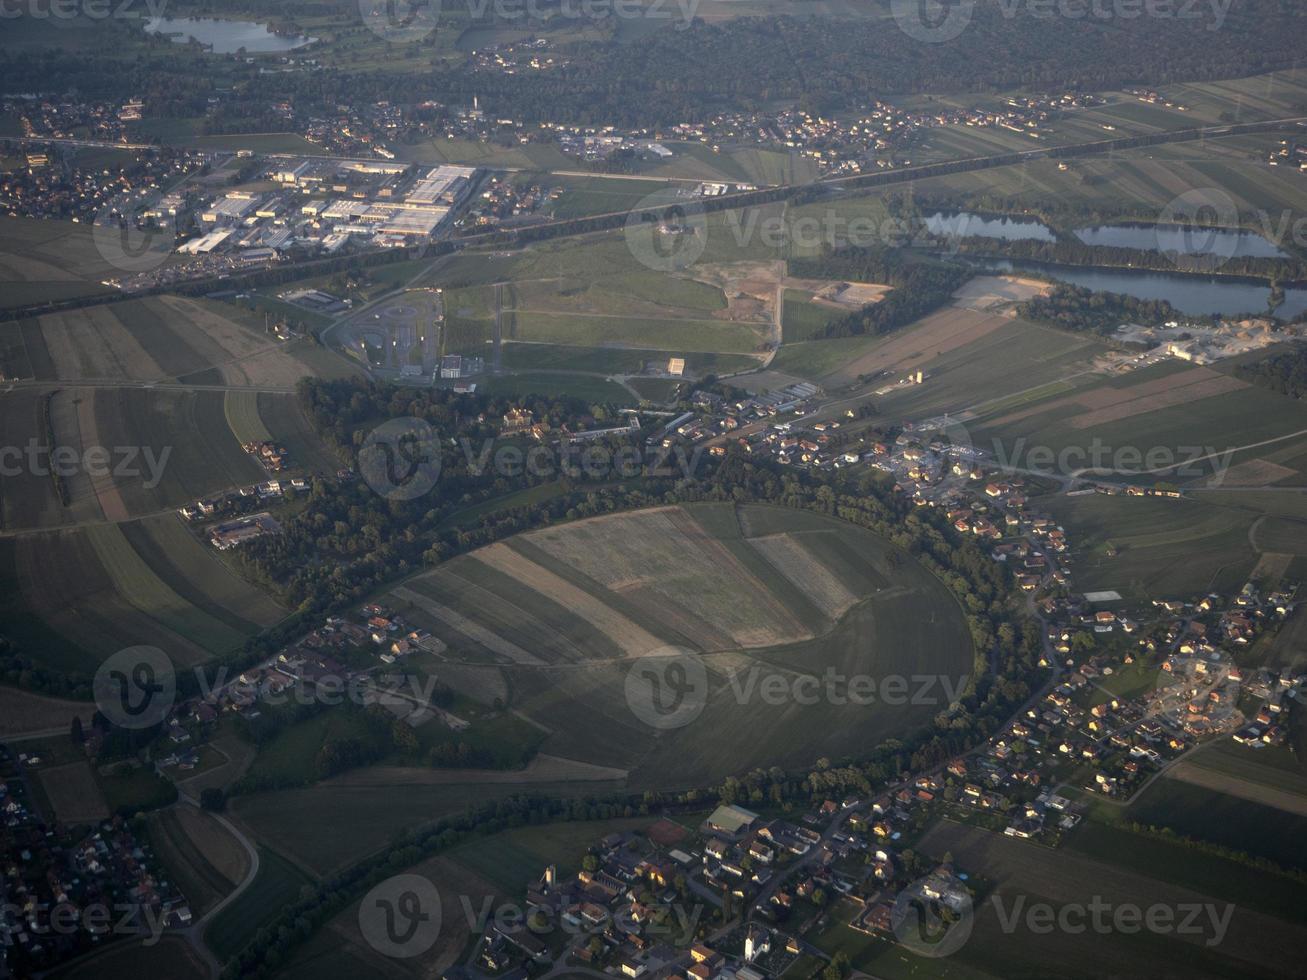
<point x="352" y="652"/>
<point x="59" y="183"/>
<point x="65" y="893"/>
<point x="68" y="119"/>
<point x="329" y="203"/>
<point x="318" y="207"/>
<point x="517" y="57"/>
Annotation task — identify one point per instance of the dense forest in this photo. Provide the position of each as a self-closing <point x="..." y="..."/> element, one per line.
<point x="920" y="286"/>
<point x="1284" y="372"/>
<point x="1069" y="252"/>
<point x="827" y="63"/>
<point x="1076" y="308"/>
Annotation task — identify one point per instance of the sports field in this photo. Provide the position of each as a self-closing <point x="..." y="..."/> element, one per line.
<point x="562" y="614"/>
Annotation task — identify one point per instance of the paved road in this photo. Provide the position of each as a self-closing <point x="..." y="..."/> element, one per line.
<point x="853" y="182"/>
<point x="194" y="933"/>
<point x="160" y="385"/>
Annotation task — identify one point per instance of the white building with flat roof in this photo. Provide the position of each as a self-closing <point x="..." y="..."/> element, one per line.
<point x="442" y="185"/>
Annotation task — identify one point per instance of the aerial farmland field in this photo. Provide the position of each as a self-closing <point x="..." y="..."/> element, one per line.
<point x="787" y="592"/>
<point x="155" y="339"/>
<point x="1025" y="873"/>
<point x="80" y="595"/>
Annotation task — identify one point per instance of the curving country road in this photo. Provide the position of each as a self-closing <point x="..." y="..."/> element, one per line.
<point x="194" y="933"/>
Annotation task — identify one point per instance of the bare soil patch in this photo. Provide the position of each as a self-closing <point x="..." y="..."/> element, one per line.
<point x="749" y="287"/>
<point x="850" y="295"/>
<point x="787" y="554"/>
<point x="106" y="490"/>
<point x="65" y="419"/>
<point x="665" y="551"/>
<point x="1180" y="395"/>
<point x="1109" y="404"/>
<point x="991" y="293"/>
<point x="92" y="343"/>
<point x="1270" y="568"/>
<point x="633" y="639"/>
<point x="913" y="347"/>
<point x="246" y="357"/>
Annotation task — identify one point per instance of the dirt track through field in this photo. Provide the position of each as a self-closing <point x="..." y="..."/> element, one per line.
<point x="474" y="631"/>
<point x="633" y="639"/>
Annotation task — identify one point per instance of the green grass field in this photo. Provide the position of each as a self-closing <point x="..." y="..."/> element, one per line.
<point x="48" y="260"/>
<point x="586" y="387"/>
<point x="74" y="597"/>
<point x="803" y="319"/>
<point x="706" y="336"/>
<point x="332" y="825"/>
<point x="277" y="883"/>
<point x="825" y="599"/>
<point x="1193" y="811"/>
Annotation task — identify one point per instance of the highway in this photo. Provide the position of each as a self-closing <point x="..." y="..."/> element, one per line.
<point x="835" y="185"/>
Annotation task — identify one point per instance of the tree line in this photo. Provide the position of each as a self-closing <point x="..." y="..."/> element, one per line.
<point x="921" y="285"/>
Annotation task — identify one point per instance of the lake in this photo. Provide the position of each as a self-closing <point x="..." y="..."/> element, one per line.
<point x="225" y="36"/>
<point x="1194" y="295"/>
<point x="1230" y="242"/>
<point x="965" y="224"/>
